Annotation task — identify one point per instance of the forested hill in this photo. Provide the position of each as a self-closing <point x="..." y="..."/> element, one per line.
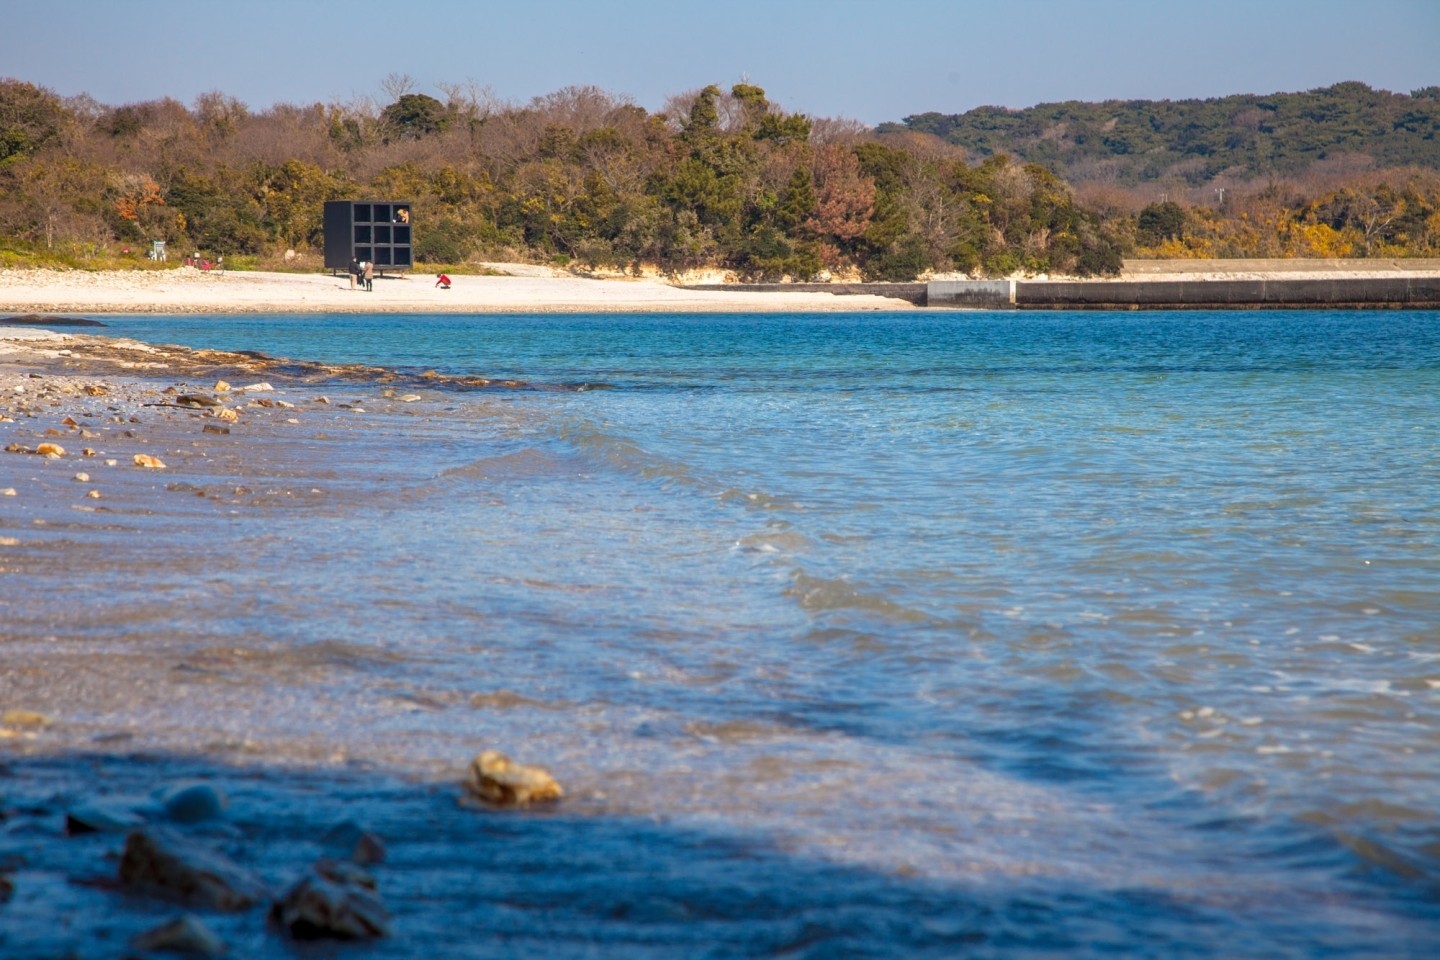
<point x="1138" y="140"/>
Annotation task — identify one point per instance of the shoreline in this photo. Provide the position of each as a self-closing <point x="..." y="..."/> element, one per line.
<point x="186" y="291"/>
<point x="189" y="291"/>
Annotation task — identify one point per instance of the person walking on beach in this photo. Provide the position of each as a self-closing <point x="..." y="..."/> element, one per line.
<point x="369" y="276"/>
<point x="354" y="271"/>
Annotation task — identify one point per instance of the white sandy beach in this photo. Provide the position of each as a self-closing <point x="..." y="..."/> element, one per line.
<point x="186" y="290"/>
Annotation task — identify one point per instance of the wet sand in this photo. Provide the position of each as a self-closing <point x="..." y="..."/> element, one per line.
<point x="187" y="290"/>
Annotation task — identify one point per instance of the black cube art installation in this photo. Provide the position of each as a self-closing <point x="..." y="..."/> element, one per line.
<point x="379" y="231"/>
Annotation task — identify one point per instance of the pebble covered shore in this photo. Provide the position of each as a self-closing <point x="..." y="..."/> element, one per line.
<point x="100" y="851"/>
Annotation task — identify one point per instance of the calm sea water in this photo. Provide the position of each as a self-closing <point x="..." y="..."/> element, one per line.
<point x="1126" y="616"/>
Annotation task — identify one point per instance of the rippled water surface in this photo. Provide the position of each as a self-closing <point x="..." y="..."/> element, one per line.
<point x="1133" y="618"/>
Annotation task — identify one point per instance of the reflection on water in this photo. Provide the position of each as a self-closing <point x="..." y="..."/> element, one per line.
<point x="1144" y="606"/>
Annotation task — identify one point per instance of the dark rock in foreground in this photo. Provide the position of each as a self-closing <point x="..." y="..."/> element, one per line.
<point x="335" y="900"/>
<point x="185" y="934"/>
<point x="168" y="863"/>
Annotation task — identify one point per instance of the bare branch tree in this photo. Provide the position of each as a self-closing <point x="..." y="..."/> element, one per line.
<point x="397" y="85"/>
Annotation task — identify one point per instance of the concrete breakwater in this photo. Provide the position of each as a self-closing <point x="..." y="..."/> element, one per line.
<point x="1172" y="292"/>
<point x="1415" y="292"/>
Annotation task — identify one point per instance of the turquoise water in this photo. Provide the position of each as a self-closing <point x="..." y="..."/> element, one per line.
<point x="1133" y="615"/>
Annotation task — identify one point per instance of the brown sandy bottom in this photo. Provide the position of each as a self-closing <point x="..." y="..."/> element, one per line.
<point x="303" y="738"/>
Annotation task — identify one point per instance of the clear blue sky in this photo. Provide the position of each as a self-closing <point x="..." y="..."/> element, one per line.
<point x="869" y="60"/>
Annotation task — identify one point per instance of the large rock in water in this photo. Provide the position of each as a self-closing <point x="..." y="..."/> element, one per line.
<point x="499" y="781"/>
<point x="336" y="900"/>
<point x="166" y="862"/>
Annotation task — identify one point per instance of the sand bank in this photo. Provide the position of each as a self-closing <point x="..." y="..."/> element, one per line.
<point x="190" y="291"/>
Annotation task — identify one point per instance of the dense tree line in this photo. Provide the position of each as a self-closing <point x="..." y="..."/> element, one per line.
<point x="715" y="179"/>
<point x="1390" y="214"/>
<point x="1133" y="141"/>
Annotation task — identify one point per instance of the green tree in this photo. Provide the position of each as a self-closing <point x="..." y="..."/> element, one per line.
<point x="31" y="117"/>
<point x="1159" y="222"/>
<point x="798" y="203"/>
<point x="415" y="115"/>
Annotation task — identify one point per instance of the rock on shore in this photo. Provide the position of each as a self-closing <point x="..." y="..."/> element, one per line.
<point x="499" y="781"/>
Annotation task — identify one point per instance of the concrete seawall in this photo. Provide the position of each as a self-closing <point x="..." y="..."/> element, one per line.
<point x="1401" y="289"/>
<point x="1412" y="292"/>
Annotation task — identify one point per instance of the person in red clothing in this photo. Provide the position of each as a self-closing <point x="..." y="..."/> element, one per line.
<point x="443" y="282"/>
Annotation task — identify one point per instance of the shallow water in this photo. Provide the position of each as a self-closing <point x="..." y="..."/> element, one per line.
<point x="1122" y="616"/>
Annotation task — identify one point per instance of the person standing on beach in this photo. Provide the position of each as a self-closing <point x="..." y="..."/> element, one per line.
<point x="369" y="276"/>
<point x="354" y="270"/>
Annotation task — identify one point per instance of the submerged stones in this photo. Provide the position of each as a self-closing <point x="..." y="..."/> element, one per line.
<point x="335" y="900"/>
<point x="194" y="803"/>
<point x="184" y="934"/>
<point x="350" y="841"/>
<point x="495" y="779"/>
<point x="100" y="818"/>
<point x="164" y="861"/>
